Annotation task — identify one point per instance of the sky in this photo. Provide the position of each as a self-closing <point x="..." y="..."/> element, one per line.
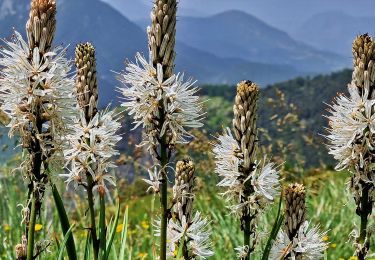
<point x="283" y="14"/>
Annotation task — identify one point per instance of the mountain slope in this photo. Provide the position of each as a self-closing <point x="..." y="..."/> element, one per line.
<point x="334" y="31"/>
<point x="117" y="38"/>
<point x="238" y="34"/>
<point x="309" y="96"/>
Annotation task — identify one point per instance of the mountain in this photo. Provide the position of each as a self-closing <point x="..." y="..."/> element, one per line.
<point x="334" y="31"/>
<point x="236" y="34"/>
<point x="306" y="97"/>
<point x="116" y="38"/>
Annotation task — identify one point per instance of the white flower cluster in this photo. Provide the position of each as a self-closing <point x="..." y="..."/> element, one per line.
<point x="146" y="91"/>
<point x="196" y="235"/>
<point x="91" y="147"/>
<point x="351" y="128"/>
<point x="308" y="244"/>
<point x="31" y="85"/>
<point x="264" y="178"/>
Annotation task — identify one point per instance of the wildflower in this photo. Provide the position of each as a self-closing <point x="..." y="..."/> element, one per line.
<point x="91" y="147"/>
<point x="334" y="245"/>
<point x="145" y="225"/>
<point x="154" y="180"/>
<point x="93" y="136"/>
<point x="142" y="255"/>
<point x="308" y="244"/>
<point x="297" y="240"/>
<point x="146" y="90"/>
<point x="249" y="184"/>
<point x="119" y="228"/>
<point x="43" y="84"/>
<point x="351" y="135"/>
<point x="38" y="227"/>
<point x="6" y="227"/>
<point x="195" y="234"/>
<point x="242" y="251"/>
<point x="325" y="238"/>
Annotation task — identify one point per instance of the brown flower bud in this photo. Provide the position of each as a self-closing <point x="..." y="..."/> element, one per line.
<point x="162" y="34"/>
<point x="41" y="25"/>
<point x="244" y="122"/>
<point x="295" y="209"/>
<point x="86" y="80"/>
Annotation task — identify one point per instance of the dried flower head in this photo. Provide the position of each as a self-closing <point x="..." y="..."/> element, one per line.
<point x="41" y="25"/>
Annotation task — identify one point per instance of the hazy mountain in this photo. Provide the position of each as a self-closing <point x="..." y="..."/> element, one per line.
<point x="117" y="38"/>
<point x="238" y="34"/>
<point x="285" y="15"/>
<point x="336" y="31"/>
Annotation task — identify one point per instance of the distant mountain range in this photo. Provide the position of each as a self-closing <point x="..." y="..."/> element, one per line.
<point x="334" y="31"/>
<point x="224" y="48"/>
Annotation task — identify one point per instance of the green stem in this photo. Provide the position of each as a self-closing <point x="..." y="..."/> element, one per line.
<point x="365" y="210"/>
<point x="163" y="199"/>
<point x="102" y="239"/>
<point x="247" y="234"/>
<point x="31" y="230"/>
<point x="90" y="198"/>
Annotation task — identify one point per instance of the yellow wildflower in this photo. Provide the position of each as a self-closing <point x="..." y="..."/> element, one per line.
<point x="142" y="255"/>
<point x="144" y="224"/>
<point x="333" y="245"/>
<point x="325" y="238"/>
<point x="38" y="227"/>
<point x="353" y="258"/>
<point x="119" y="228"/>
<point x="6" y="227"/>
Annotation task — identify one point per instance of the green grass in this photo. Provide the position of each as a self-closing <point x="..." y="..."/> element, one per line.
<point x="329" y="205"/>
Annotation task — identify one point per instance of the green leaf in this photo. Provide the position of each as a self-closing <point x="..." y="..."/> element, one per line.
<point x="124" y="234"/>
<point x="86" y="256"/>
<point x="102" y="228"/>
<point x="64" y="243"/>
<point x="113" y="231"/>
<point x="64" y="221"/>
<point x="275" y="230"/>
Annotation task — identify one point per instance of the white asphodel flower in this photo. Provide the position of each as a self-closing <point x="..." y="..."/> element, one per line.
<point x="91" y="147"/>
<point x="308" y="243"/>
<point x="351" y="122"/>
<point x="145" y="91"/>
<point x="196" y="234"/>
<point x="41" y="86"/>
<point x="242" y="251"/>
<point x="154" y="180"/>
<point x="264" y="177"/>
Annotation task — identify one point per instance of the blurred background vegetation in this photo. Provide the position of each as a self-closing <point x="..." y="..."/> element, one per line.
<point x="291" y="128"/>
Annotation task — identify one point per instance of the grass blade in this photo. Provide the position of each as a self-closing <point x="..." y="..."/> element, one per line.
<point x="113" y="231"/>
<point x="64" y="243"/>
<point x="124" y="234"/>
<point x="102" y="228"/>
<point x="64" y="221"/>
<point x="275" y="230"/>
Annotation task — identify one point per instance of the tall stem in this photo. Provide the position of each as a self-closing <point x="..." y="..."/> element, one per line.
<point x="365" y="210"/>
<point x="90" y="198"/>
<point x="247" y="234"/>
<point x="31" y="229"/>
<point x="163" y="199"/>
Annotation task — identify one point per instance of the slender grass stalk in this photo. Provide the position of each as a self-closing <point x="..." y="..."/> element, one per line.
<point x="163" y="200"/>
<point x="31" y="229"/>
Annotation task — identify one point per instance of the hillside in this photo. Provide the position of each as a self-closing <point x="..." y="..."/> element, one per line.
<point x="309" y="97"/>
<point x="117" y="38"/>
